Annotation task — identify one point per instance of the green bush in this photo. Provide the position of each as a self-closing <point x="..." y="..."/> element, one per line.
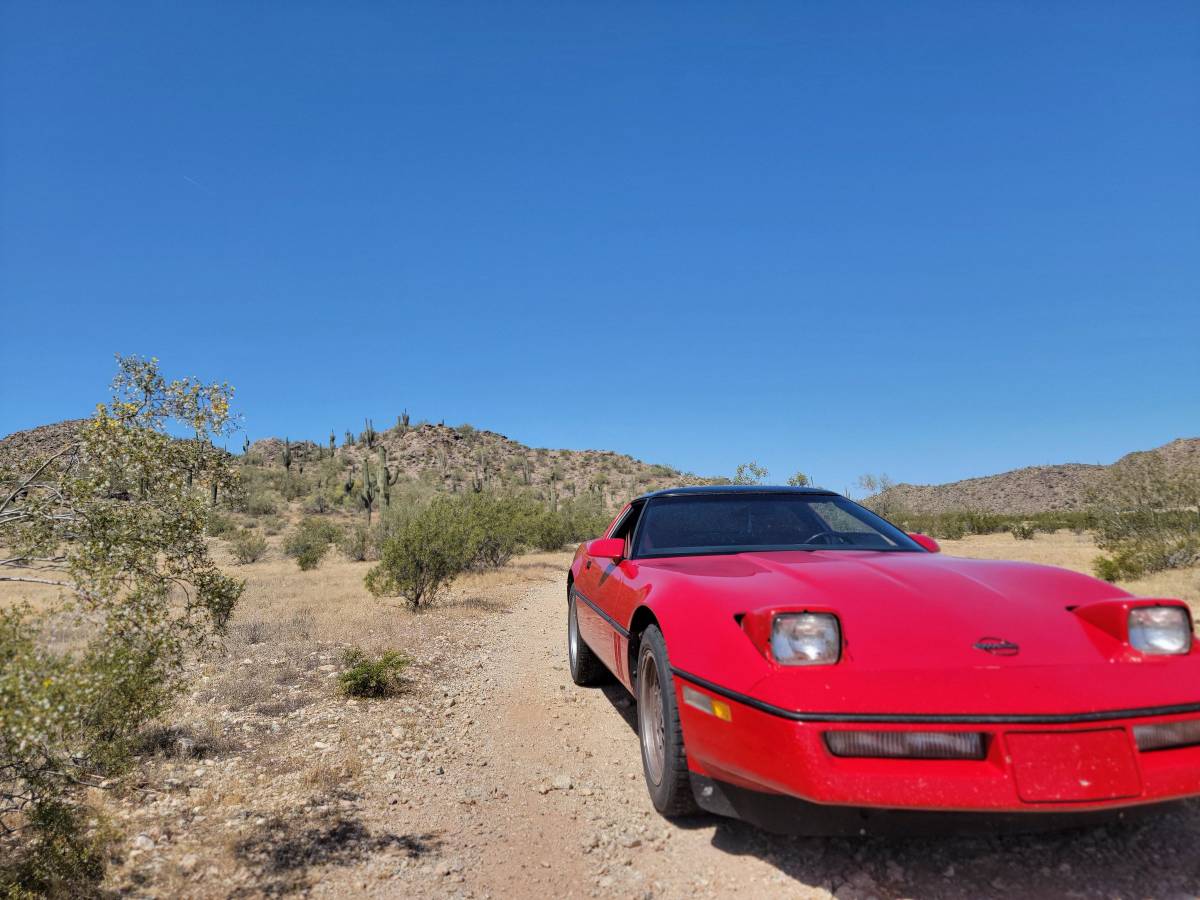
<point x="959" y="523"/>
<point x="1107" y="568"/>
<point x="309" y="541"/>
<point x="293" y="487"/>
<point x="262" y="504"/>
<point x="355" y="543"/>
<point x="247" y="546"/>
<point x="66" y="857"/>
<point x="221" y="525"/>
<point x="1023" y="531"/>
<point x="367" y="677"/>
<point x="318" y="504"/>
<point x="423" y="552"/>
<point x="494" y="523"/>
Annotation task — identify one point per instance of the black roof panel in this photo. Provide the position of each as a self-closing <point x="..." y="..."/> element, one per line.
<point x="738" y="489"/>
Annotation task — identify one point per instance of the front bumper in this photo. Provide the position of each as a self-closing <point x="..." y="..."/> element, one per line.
<point x="1038" y="768"/>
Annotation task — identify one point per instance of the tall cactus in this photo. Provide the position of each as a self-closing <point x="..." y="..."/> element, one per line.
<point x="332" y="443"/>
<point x="287" y="456"/>
<point x="386" y="477"/>
<point x="369" y="434"/>
<point x="348" y="484"/>
<point x="245" y="445"/>
<point x="367" y="495"/>
<point x="404" y="420"/>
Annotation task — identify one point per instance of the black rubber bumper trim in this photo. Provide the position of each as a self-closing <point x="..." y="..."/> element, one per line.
<point x="624" y="632"/>
<point x="936" y="719"/>
<point x="784" y="814"/>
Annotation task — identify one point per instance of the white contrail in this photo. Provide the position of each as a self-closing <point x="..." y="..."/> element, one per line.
<point x="198" y="184"/>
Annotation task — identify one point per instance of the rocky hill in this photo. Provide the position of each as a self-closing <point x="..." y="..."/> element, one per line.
<point x="465" y="457"/>
<point x="39" y="442"/>
<point x="1035" y="488"/>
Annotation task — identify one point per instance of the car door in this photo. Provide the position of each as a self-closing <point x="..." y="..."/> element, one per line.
<point x="590" y="613"/>
<point x="616" y="597"/>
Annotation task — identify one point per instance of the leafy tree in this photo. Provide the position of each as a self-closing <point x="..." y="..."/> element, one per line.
<point x="115" y="521"/>
<point x="799" y="479"/>
<point x="750" y="473"/>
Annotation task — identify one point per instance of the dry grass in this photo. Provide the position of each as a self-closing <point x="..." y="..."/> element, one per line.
<point x="284" y="605"/>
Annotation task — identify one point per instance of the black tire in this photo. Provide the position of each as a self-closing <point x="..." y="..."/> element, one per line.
<point x="586" y="668"/>
<point x="664" y="760"/>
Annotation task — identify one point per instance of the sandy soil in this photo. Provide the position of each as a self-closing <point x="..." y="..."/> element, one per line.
<point x="494" y="776"/>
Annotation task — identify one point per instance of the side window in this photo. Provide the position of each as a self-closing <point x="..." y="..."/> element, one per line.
<point x="625" y="528"/>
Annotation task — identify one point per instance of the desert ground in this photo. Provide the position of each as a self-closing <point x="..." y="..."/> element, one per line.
<point x="492" y="775"/>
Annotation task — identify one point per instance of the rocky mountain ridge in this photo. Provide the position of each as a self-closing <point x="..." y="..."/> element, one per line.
<point x="1033" y="489"/>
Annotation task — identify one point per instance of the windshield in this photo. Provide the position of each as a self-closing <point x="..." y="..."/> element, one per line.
<point x="688" y="525"/>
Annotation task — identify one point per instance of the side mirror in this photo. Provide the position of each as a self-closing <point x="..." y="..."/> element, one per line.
<point x="926" y="541"/>
<point x="607" y="548"/>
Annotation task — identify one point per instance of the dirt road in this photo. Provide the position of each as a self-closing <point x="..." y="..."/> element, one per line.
<point x="546" y="799"/>
<point x="492" y="775"/>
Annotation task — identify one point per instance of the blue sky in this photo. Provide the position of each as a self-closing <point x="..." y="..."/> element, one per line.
<point x="933" y="239"/>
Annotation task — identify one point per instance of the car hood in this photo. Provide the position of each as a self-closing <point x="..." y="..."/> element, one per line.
<point x="911" y="623"/>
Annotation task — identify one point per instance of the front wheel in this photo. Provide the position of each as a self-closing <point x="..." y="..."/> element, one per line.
<point x="664" y="761"/>
<point x="586" y="668"/>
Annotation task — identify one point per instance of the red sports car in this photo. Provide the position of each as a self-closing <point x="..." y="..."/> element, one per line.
<point x="803" y="664"/>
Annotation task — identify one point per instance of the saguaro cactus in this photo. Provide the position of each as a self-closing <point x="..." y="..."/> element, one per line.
<point x="386" y="477"/>
<point x="287" y="456"/>
<point x="367" y="495"/>
<point x="369" y="434"/>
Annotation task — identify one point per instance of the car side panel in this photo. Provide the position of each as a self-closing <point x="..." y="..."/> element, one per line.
<point x="595" y="631"/>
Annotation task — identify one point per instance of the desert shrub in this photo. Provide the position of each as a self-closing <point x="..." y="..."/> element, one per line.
<point x="247" y="546"/>
<point x="1107" y="568"/>
<point x="423" y="551"/>
<point x="951" y="528"/>
<point x="262" y="503"/>
<point x="117" y="518"/>
<point x="367" y="677"/>
<point x="220" y="524"/>
<point x="1147" y="517"/>
<point x="355" y="543"/>
<point x="293" y="487"/>
<point x="66" y="856"/>
<point x="1023" y="531"/>
<point x="318" y="504"/>
<point x="497" y="526"/>
<point x="309" y="541"/>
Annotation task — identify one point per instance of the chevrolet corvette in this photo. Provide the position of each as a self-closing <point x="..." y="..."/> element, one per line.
<point x="801" y="663"/>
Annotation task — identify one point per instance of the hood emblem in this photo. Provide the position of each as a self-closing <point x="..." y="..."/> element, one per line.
<point x="997" y="646"/>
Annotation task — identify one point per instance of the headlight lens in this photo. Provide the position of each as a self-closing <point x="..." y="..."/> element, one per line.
<point x="1160" y="630"/>
<point x="806" y="639"/>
